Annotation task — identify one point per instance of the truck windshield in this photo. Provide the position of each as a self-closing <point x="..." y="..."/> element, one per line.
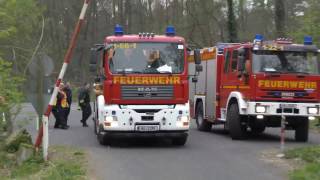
<point x="286" y="62"/>
<point x="149" y="58"/>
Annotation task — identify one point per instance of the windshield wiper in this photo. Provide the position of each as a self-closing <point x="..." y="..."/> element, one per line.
<point x="123" y="72"/>
<point x="165" y="72"/>
<point x="134" y="72"/>
<point x="272" y="72"/>
<point x="150" y="72"/>
<point x="301" y="72"/>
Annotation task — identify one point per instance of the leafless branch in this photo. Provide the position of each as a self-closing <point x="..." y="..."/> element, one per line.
<point x="36" y="48"/>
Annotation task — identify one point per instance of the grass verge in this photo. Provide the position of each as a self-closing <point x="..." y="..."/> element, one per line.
<point x="64" y="163"/>
<point x="314" y="126"/>
<point x="310" y="158"/>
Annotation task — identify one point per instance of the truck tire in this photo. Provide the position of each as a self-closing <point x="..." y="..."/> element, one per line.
<point x="95" y="126"/>
<point x="258" y="129"/>
<point x="181" y="141"/>
<point x="94" y="118"/>
<point x="302" y="130"/>
<point x="236" y="129"/>
<point x="202" y="124"/>
<point x="101" y="137"/>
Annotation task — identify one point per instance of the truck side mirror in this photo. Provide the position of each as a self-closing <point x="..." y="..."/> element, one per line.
<point x="93" y="60"/>
<point x="242" y="59"/>
<point x="242" y="62"/>
<point x="194" y="79"/>
<point x="199" y="68"/>
<point x="197" y="56"/>
<point x="97" y="79"/>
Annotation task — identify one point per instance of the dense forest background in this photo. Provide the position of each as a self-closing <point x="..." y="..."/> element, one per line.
<point x="31" y="29"/>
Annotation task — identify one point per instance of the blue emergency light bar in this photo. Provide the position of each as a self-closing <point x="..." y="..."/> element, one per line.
<point x="170" y="31"/>
<point x="258" y="37"/>
<point x="118" y="30"/>
<point x="307" y="40"/>
<point x="257" y="41"/>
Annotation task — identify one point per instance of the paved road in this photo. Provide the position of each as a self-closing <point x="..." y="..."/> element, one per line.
<point x="206" y="156"/>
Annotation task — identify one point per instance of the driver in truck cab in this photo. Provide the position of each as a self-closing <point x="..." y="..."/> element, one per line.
<point x="154" y="59"/>
<point x="155" y="63"/>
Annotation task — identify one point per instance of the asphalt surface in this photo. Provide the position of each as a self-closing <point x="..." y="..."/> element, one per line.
<point x="206" y="155"/>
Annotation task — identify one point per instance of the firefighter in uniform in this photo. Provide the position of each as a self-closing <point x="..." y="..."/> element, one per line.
<point x="55" y="114"/>
<point x="84" y="103"/>
<point x="61" y="109"/>
<point x="68" y="91"/>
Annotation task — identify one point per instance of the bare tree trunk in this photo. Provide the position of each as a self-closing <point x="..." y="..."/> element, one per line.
<point x="121" y="12"/>
<point x="242" y="26"/>
<point x="167" y="12"/>
<point x="141" y="17"/>
<point x="94" y="21"/>
<point x="280" y="18"/>
<point x="128" y="16"/>
<point x="150" y="16"/>
<point x="114" y="13"/>
<point x="232" y="25"/>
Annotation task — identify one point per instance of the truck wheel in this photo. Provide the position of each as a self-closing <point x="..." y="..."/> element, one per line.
<point x="236" y="129"/>
<point x="258" y="129"/>
<point x="181" y="141"/>
<point x="302" y="130"/>
<point x="202" y="124"/>
<point x="94" y="118"/>
<point x="95" y="126"/>
<point x="101" y="137"/>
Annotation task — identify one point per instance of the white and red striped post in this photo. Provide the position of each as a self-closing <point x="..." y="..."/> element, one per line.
<point x="66" y="61"/>
<point x="45" y="137"/>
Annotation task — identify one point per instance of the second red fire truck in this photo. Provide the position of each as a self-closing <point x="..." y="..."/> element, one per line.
<point x="250" y="86"/>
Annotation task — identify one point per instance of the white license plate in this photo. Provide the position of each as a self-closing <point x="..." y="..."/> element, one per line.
<point x="287" y="94"/>
<point x="288" y="106"/>
<point x="147" y="128"/>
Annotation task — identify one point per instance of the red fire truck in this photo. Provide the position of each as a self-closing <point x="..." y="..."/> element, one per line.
<point x="251" y="86"/>
<point x="142" y="86"/>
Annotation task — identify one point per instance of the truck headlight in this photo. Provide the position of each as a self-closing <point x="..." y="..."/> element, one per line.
<point x="111" y="121"/>
<point x="261" y="109"/>
<point x="108" y="119"/>
<point x="313" y="110"/>
<point x="184" y="118"/>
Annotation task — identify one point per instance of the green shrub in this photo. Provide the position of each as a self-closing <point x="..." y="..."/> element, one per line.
<point x="10" y="94"/>
<point x="13" y="142"/>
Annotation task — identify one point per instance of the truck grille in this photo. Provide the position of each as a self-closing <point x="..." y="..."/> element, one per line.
<point x="147" y="92"/>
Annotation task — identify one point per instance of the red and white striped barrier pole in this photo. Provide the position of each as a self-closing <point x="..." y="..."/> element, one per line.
<point x="66" y="61"/>
<point x="45" y="138"/>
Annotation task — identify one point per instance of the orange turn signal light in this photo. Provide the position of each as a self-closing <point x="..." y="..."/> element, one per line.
<point x="107" y="123"/>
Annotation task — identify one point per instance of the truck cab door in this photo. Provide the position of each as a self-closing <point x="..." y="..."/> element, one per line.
<point x="235" y="75"/>
<point x="229" y="77"/>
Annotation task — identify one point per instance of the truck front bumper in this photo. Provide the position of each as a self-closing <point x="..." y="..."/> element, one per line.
<point x="282" y="108"/>
<point x="128" y="118"/>
<point x="130" y="134"/>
